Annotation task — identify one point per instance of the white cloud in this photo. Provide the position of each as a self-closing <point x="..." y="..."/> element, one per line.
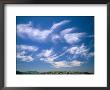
<point x="23" y="50"/>
<point x="40" y="35"/>
<point x="73" y="37"/>
<point x="50" y="57"/>
<point x="27" y="31"/>
<point x="21" y="56"/>
<point x="46" y="53"/>
<point x="55" y="38"/>
<point x="76" y="63"/>
<point x="60" y="64"/>
<point x="57" y="25"/>
<point x="91" y="54"/>
<point x="27" y="47"/>
<point x="66" y="31"/>
<point x="81" y="50"/>
<point x="56" y="57"/>
<point x="25" y="58"/>
<point x="24" y="29"/>
<point x="53" y="58"/>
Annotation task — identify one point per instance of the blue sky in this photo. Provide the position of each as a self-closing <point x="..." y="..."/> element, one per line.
<point x="46" y="43"/>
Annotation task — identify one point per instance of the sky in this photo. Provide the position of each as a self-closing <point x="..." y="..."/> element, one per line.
<point x="55" y="43"/>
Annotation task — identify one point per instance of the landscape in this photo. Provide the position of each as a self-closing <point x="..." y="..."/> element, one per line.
<point x="53" y="72"/>
<point x="54" y="45"/>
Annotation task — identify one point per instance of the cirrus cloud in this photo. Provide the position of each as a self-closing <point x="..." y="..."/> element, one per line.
<point x="57" y="25"/>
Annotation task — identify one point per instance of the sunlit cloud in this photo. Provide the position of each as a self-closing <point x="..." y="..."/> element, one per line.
<point x="73" y="37"/>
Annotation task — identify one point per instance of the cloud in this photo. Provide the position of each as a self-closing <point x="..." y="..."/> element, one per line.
<point x="24" y="51"/>
<point x="27" y="47"/>
<point x="57" y="25"/>
<point x="66" y="31"/>
<point x="61" y="54"/>
<point x="21" y="56"/>
<point x="76" y="63"/>
<point x="91" y="54"/>
<point x="25" y="58"/>
<point x="40" y="35"/>
<point x="73" y="37"/>
<point x="49" y="56"/>
<point x="27" y="31"/>
<point x="46" y="53"/>
<point x="55" y="38"/>
<point x="60" y="64"/>
<point x="63" y="63"/>
<point x="81" y="50"/>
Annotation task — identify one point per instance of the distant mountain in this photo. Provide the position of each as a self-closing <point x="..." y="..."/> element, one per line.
<point x="18" y="72"/>
<point x="52" y="72"/>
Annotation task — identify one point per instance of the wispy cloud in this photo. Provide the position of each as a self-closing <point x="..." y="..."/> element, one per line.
<point x="66" y="31"/>
<point x="57" y="25"/>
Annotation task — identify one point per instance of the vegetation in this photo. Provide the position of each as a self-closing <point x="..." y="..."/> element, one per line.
<point x="52" y="72"/>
